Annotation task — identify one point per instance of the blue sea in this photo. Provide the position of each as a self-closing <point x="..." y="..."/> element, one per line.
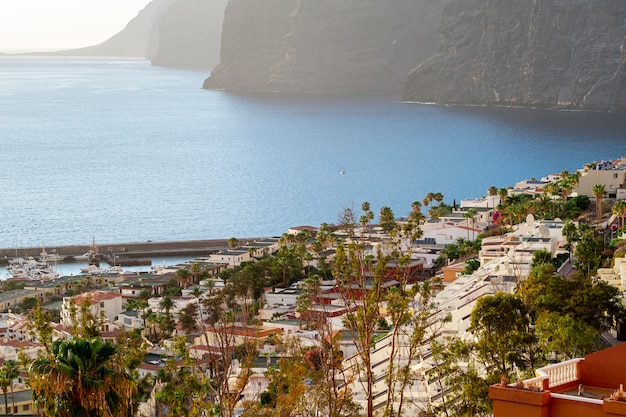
<point x="117" y="150"/>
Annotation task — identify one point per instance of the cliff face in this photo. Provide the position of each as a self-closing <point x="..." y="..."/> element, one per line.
<point x="137" y="39"/>
<point x="174" y="33"/>
<point x="531" y="53"/>
<point x="189" y="34"/>
<point x="324" y="45"/>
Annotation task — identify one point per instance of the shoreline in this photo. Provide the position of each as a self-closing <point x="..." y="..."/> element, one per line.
<point x="131" y="250"/>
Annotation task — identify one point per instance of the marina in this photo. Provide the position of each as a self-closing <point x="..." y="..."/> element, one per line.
<point x="33" y="263"/>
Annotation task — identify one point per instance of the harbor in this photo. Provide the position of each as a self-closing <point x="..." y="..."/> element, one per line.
<point x="123" y="252"/>
<point x="76" y="259"/>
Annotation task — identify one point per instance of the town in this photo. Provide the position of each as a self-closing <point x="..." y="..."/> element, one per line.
<point x="509" y="304"/>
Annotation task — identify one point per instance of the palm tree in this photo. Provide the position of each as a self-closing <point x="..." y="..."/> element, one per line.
<point x="598" y="191"/>
<point x="82" y="378"/>
<point x="166" y="304"/>
<point x="233" y="242"/>
<point x="9" y="372"/>
<point x="470" y="215"/>
<point x="438" y="197"/>
<point x="619" y="209"/>
<point x="503" y="193"/>
<point x="416" y="206"/>
<point x="493" y="192"/>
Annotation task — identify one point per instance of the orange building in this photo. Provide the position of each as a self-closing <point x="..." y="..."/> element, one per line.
<point x="581" y="387"/>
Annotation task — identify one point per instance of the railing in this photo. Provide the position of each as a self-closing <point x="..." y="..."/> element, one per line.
<point x="560" y="373"/>
<point x="554" y="375"/>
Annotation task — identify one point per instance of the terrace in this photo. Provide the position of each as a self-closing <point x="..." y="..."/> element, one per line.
<point x="578" y="387"/>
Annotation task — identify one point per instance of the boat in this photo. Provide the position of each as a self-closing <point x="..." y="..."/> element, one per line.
<point x="31" y="269"/>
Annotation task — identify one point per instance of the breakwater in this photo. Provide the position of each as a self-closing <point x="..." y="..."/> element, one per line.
<point x="131" y="250"/>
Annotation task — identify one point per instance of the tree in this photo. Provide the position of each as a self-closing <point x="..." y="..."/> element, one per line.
<point x="503" y="193"/>
<point x="619" y="209"/>
<point x="493" y="192"/>
<point x="564" y="337"/>
<point x="189" y="318"/>
<point x="233" y="243"/>
<point x="570" y="231"/>
<point x="463" y="391"/>
<point x="364" y="283"/>
<point x="182" y="387"/>
<point x="588" y="252"/>
<point x="387" y="219"/>
<point x="598" y="191"/>
<point x="223" y="313"/>
<point x="82" y="377"/>
<point x="167" y="324"/>
<point x="8" y="372"/>
<point x="541" y="257"/>
<point x="347" y="221"/>
<point x="470" y="215"/>
<point x="502" y="326"/>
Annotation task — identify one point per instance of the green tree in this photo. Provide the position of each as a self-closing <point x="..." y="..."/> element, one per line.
<point x="189" y="318"/>
<point x="619" y="209"/>
<point x="183" y="388"/>
<point x="563" y="336"/>
<point x="588" y="252"/>
<point x="8" y="372"/>
<point x="502" y="326"/>
<point x="598" y="191"/>
<point x="347" y="221"/>
<point x="363" y="281"/>
<point x="493" y="192"/>
<point x="166" y="323"/>
<point x="233" y="243"/>
<point x="470" y="216"/>
<point x="82" y="377"/>
<point x="387" y="219"/>
<point x="541" y="257"/>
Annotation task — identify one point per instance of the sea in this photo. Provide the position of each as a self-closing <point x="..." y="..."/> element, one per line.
<point x="117" y="150"/>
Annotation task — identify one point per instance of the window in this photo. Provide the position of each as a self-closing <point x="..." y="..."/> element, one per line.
<point x="102" y="304"/>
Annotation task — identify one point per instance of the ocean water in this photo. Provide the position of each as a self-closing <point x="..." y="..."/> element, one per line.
<point x="117" y="150"/>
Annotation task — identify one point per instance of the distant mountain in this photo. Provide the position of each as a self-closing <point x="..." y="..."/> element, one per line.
<point x="531" y="53"/>
<point x="324" y="45"/>
<point x="138" y="39"/>
<point x="175" y="33"/>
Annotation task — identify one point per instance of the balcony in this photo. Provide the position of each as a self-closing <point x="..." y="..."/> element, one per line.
<point x="582" y="386"/>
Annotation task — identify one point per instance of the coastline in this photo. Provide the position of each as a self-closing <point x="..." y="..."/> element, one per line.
<point x="146" y="249"/>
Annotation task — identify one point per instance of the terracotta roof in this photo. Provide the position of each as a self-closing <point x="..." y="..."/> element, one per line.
<point x="96" y="297"/>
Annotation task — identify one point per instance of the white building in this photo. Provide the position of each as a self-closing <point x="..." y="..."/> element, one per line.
<point x="102" y="304"/>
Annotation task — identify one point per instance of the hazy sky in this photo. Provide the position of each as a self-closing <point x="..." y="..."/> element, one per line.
<point x="62" y="24"/>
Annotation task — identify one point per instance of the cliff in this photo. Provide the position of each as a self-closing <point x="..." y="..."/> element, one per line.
<point x="190" y="33"/>
<point x="324" y="45"/>
<point x="138" y="39"/>
<point x="530" y="53"/>
<point x="175" y="33"/>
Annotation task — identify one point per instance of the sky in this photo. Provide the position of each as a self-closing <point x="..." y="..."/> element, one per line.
<point x="40" y="25"/>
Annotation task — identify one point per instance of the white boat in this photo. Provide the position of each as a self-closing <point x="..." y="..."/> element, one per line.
<point x="31" y="269"/>
<point x="92" y="270"/>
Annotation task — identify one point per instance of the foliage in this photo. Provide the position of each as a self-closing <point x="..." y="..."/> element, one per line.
<point x="82" y="377"/>
<point x="502" y="325"/>
<point x="182" y="388"/>
<point x="471" y="265"/>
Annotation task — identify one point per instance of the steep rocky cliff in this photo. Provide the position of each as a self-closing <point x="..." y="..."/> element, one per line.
<point x="531" y="53"/>
<point x="324" y="45"/>
<point x="138" y="39"/>
<point x="174" y="33"/>
<point x="189" y="34"/>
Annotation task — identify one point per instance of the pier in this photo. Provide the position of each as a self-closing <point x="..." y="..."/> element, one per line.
<point x="127" y="253"/>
